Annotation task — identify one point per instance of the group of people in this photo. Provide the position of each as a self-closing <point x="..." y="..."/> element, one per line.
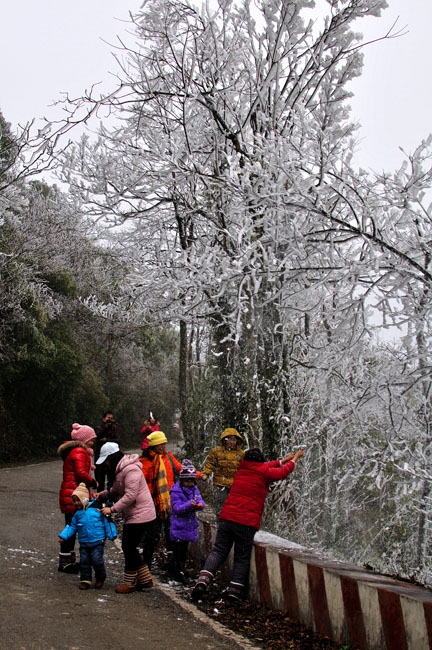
<point x="155" y="491"/>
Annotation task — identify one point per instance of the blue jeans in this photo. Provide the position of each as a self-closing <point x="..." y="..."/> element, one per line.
<point x="92" y="555"/>
<point x="229" y="533"/>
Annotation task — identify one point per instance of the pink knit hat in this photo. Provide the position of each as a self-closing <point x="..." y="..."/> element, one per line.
<point x="82" y="432"/>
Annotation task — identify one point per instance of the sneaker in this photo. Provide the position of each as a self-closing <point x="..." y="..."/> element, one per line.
<point x="99" y="584"/>
<point x="84" y="585"/>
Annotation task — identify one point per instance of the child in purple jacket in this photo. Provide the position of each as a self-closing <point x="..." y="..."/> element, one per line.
<point x="185" y="501"/>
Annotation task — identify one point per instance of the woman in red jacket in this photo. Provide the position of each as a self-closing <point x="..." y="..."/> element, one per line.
<point x="150" y="426"/>
<point x="76" y="455"/>
<point x="240" y="519"/>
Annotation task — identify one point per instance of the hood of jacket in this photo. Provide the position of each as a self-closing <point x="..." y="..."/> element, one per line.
<point x="67" y="447"/>
<point x="128" y="459"/>
<point x="231" y="432"/>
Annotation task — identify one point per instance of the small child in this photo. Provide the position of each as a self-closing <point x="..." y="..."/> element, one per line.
<point x="185" y="501"/>
<point x="93" y="528"/>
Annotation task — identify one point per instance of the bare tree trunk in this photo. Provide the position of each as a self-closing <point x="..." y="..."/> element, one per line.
<point x="183" y="386"/>
<point x="423" y="520"/>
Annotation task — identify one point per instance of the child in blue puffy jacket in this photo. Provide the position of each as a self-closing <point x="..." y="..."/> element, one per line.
<point x="186" y="500"/>
<point x="93" y="529"/>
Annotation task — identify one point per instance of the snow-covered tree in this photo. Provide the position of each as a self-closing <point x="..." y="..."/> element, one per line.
<point x="227" y="179"/>
<point x="230" y="123"/>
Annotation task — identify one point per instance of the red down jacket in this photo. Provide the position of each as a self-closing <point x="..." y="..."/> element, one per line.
<point x="245" y="501"/>
<point x="76" y="470"/>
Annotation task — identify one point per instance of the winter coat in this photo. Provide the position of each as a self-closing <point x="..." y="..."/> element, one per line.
<point x="130" y="488"/>
<point x="148" y="470"/>
<point x="108" y="432"/>
<point x="184" y="523"/>
<point x="167" y="457"/>
<point x="76" y="470"/>
<point x="245" y="502"/>
<point x="153" y="469"/>
<point x="146" y="431"/>
<point x="91" y="525"/>
<point x="223" y="462"/>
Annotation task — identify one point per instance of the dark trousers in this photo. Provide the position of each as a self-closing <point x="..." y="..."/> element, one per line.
<point x="69" y="544"/>
<point x="150" y="539"/>
<point x="168" y="540"/>
<point x="229" y="533"/>
<point x="92" y="555"/>
<point x="221" y="495"/>
<point x="179" y="549"/>
<point x="132" y="534"/>
<point x="100" y="476"/>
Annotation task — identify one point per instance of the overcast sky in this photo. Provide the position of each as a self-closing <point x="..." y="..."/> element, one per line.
<point x="50" y="46"/>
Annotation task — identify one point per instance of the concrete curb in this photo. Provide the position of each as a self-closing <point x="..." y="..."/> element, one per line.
<point x="349" y="604"/>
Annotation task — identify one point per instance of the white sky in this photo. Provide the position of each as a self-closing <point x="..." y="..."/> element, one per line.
<point x="51" y="46"/>
<point x="393" y="98"/>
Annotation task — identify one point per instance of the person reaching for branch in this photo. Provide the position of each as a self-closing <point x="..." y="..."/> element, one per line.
<point x="240" y="519"/>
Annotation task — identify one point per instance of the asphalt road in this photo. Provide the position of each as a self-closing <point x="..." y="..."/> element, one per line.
<point x="42" y="609"/>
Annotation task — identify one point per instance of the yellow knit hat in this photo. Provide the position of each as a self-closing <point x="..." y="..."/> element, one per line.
<point x="156" y="438"/>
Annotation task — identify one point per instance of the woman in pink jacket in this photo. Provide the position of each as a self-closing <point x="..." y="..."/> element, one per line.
<point x="131" y="497"/>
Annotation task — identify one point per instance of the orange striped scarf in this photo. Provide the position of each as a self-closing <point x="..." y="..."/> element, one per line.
<point x="159" y="487"/>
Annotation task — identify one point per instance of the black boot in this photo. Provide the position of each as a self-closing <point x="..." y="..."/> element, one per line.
<point x="67" y="563"/>
<point x="179" y="574"/>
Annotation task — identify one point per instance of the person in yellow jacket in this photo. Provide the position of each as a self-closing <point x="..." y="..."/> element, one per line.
<point x="223" y="462"/>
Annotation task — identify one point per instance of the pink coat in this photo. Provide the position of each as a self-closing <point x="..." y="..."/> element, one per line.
<point x="135" y="500"/>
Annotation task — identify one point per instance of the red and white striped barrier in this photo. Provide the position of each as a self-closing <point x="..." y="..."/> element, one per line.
<point x="346" y="603"/>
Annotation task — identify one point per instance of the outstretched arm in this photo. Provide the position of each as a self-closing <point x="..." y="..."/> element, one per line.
<point x="209" y="465"/>
<point x="293" y="457"/>
<point x="286" y="466"/>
